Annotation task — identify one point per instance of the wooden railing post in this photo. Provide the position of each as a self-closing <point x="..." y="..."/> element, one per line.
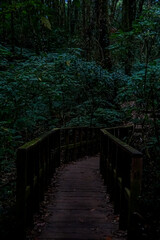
<point x="36" y="183"/>
<point x="58" y="147"/>
<point x="30" y="185"/>
<point x="55" y="145"/>
<point x="136" y="176"/>
<point x="51" y="149"/>
<point x="35" y="166"/>
<point x="101" y="163"/>
<point x="104" y="156"/>
<point x="87" y="141"/>
<point x="21" y="192"/>
<point x="121" y="168"/>
<point x="74" y="142"/>
<point x="46" y="162"/>
<point x="66" y="145"/>
<point x="80" y="140"/>
<point x="37" y="162"/>
<point x="41" y="156"/>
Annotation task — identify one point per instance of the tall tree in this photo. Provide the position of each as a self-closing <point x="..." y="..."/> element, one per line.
<point x="128" y="16"/>
<point x="69" y="15"/>
<point x="56" y="12"/>
<point x="12" y="28"/>
<point x="139" y="7"/>
<point x="3" y="21"/>
<point x="103" y="27"/>
<point x="62" y="13"/>
<point x="83" y="18"/>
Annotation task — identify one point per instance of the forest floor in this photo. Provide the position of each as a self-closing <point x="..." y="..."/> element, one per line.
<point x="77" y="206"/>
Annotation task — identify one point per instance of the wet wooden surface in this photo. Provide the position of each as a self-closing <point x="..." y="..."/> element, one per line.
<point x="80" y="208"/>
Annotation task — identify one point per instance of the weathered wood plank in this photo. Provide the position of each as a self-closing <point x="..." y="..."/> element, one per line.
<point x="130" y="150"/>
<point x="121" y="168"/>
<point x="78" y="208"/>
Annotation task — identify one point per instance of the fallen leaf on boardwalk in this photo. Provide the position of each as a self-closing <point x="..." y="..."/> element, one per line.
<point x="93" y="209"/>
<point x="108" y="238"/>
<point x="93" y="229"/>
<point x="41" y="224"/>
<point x="120" y="234"/>
<point x="81" y="220"/>
<point x="116" y="219"/>
<point x="68" y="63"/>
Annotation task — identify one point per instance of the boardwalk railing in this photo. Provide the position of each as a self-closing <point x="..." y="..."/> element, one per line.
<point x="77" y="142"/>
<point x="36" y="164"/>
<point x="121" y="132"/>
<point x="121" y="168"/>
<point x="37" y="161"/>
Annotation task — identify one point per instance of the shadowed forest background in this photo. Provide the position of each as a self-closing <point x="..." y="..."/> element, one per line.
<point x="80" y="63"/>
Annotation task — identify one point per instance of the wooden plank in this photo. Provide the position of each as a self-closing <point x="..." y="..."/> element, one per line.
<point x="130" y="150"/>
<point x="80" y="213"/>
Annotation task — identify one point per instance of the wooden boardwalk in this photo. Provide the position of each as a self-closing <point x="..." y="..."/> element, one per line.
<point x="80" y="208"/>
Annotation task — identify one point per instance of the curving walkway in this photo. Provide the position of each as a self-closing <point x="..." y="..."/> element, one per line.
<point x="80" y="208"/>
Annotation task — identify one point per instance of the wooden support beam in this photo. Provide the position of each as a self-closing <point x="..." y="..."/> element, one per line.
<point x="121" y="168"/>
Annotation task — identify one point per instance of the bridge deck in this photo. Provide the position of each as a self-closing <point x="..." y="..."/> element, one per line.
<point x="80" y="208"/>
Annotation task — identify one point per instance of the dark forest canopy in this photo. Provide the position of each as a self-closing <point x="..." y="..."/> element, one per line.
<point x="81" y="63"/>
<point x="100" y="28"/>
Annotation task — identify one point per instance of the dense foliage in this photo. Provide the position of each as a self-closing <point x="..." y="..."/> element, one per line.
<point x="42" y="92"/>
<point x="72" y="63"/>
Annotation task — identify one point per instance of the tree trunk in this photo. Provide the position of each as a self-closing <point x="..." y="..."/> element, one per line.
<point x="12" y="33"/>
<point x="3" y="19"/>
<point x="113" y="9"/>
<point x="69" y="16"/>
<point x="12" y="29"/>
<point x="76" y="19"/>
<point x="128" y="16"/>
<point x="62" y="14"/>
<point x="83" y="18"/>
<point x="139" y="8"/>
<point x="56" y="12"/>
<point x="104" y="40"/>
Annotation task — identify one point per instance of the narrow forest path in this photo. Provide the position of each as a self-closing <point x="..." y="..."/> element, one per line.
<point x="80" y="208"/>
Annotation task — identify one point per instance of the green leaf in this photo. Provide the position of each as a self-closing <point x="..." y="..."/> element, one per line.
<point x="76" y="3"/>
<point x="46" y="23"/>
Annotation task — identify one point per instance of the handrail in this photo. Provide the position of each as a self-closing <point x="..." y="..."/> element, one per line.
<point x="121" y="131"/>
<point x="79" y="141"/>
<point x="37" y="161"/>
<point x="121" y="168"/>
<point x="127" y="148"/>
